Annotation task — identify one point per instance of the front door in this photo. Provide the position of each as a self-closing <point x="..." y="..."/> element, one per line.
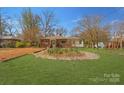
<point x="53" y="43"/>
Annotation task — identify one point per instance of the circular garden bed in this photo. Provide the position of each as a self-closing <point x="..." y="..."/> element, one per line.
<point x="66" y="54"/>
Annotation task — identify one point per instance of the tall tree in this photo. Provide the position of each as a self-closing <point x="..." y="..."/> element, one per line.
<point x="2" y="23"/>
<point x="30" y="24"/>
<point x="6" y="24"/>
<point x="48" y="23"/>
<point x="10" y="27"/>
<point x="90" y="28"/>
<point x="104" y="34"/>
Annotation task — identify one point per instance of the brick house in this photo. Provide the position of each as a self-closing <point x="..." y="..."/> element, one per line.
<point x="61" y="42"/>
<point x="8" y="41"/>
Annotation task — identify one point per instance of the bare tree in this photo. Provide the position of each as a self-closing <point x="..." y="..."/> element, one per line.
<point x="90" y="28"/>
<point x="10" y="27"/>
<point x="30" y="24"/>
<point x="48" y="23"/>
<point x="2" y="23"/>
<point x="104" y="34"/>
<point x="6" y="24"/>
<point x="60" y="31"/>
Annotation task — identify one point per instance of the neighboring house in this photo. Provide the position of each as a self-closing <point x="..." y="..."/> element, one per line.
<point x="8" y="41"/>
<point x="116" y="42"/>
<point x="61" y="42"/>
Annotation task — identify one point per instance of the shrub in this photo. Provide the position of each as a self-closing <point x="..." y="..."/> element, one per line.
<point x="19" y="44"/>
<point x="22" y="44"/>
<point x="27" y="44"/>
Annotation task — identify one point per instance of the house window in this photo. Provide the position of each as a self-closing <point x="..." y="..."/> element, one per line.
<point x="63" y="41"/>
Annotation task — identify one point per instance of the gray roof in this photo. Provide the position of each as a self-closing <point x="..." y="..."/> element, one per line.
<point x="60" y="37"/>
<point x="9" y="37"/>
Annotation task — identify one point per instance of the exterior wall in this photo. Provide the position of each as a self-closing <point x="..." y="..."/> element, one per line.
<point x="45" y="43"/>
<point x="61" y="43"/>
<point x="78" y="43"/>
<point x="4" y="43"/>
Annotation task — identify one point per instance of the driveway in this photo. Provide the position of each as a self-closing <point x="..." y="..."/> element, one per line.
<point x="9" y="53"/>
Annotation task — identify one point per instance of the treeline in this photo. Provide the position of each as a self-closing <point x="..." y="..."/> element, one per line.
<point x="31" y="26"/>
<point x="91" y="29"/>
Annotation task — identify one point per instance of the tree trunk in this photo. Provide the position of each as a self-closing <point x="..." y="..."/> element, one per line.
<point x="121" y="44"/>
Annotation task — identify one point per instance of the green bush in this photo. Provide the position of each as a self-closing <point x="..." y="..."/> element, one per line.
<point x="27" y="44"/>
<point x="22" y="44"/>
<point x="19" y="44"/>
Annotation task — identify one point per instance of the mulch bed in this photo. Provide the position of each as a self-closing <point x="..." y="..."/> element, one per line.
<point x="76" y="56"/>
<point x="7" y="54"/>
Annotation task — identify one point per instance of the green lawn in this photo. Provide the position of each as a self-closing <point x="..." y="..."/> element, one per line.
<point x="109" y="69"/>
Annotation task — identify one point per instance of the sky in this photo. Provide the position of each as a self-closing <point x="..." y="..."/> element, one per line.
<point x="68" y="16"/>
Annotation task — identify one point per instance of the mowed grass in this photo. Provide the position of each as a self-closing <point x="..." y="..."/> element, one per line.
<point x="31" y="70"/>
